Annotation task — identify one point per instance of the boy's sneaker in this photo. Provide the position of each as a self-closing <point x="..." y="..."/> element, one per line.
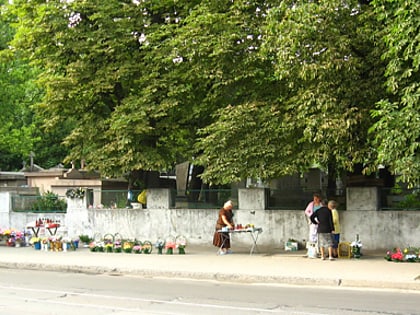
<point x="222" y="252"/>
<point x="229" y="251"/>
<point x="332" y="258"/>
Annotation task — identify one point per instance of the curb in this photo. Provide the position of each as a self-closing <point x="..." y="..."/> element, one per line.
<point x="220" y="277"/>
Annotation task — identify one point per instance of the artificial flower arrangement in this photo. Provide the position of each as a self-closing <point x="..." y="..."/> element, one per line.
<point x="127" y="247"/>
<point x="147" y="247"/>
<point x="181" y="243"/>
<point x="408" y="254"/>
<point x="137" y="249"/>
<point x="117" y="247"/>
<point x="13" y="237"/>
<point x="356" y="247"/>
<point x="34" y="240"/>
<point x="109" y="247"/>
<point x="170" y="246"/>
<point x="56" y="243"/>
<point x="160" y="244"/>
<point x="96" y="246"/>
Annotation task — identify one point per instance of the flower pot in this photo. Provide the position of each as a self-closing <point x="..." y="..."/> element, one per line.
<point x="37" y="245"/>
<point x="181" y="250"/>
<point x="169" y="251"/>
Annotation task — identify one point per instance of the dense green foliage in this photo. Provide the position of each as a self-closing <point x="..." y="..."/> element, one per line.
<point x="243" y="88"/>
<point x="397" y="131"/>
<point x="49" y="201"/>
<point x="21" y="130"/>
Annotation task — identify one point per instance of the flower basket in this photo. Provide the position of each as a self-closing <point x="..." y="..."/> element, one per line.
<point x="108" y="239"/>
<point x="118" y="238"/>
<point x="117" y="249"/>
<point x="109" y="248"/>
<point x="92" y="247"/>
<point x="127" y="247"/>
<point x="147" y="247"/>
<point x="137" y="249"/>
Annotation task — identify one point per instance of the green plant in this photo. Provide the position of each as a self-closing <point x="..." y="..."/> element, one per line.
<point x="411" y="201"/>
<point x="49" y="201"/>
<point x="85" y="238"/>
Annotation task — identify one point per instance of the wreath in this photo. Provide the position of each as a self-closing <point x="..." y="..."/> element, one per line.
<point x="75" y="193"/>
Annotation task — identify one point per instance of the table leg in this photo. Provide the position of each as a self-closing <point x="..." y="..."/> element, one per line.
<point x="35" y="231"/>
<point x="224" y="239"/>
<point x="52" y="233"/>
<point x="254" y="236"/>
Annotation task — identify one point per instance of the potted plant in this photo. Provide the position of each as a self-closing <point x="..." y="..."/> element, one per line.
<point x="85" y="239"/>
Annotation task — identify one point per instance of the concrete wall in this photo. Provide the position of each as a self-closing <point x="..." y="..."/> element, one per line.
<point x="377" y="229"/>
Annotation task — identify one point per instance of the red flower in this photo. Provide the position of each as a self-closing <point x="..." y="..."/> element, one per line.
<point x="398" y="255"/>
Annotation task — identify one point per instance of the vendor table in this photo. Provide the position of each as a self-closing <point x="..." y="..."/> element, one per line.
<point x="254" y="232"/>
<point x="51" y="228"/>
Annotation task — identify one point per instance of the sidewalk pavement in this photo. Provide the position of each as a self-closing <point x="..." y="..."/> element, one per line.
<point x="269" y="266"/>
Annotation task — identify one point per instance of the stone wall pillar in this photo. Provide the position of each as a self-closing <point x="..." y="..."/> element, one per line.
<point x="159" y="198"/>
<point x="252" y="198"/>
<point x="5" y="206"/>
<point x="363" y="198"/>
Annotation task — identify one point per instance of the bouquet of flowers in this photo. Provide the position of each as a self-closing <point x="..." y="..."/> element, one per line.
<point x="160" y="244"/>
<point x="408" y="254"/>
<point x="147" y="247"/>
<point x="109" y="247"/>
<point x="181" y="243"/>
<point x="137" y="249"/>
<point x="127" y="247"/>
<point x="356" y="247"/>
<point x="170" y="245"/>
<point x="117" y="247"/>
<point x="34" y="240"/>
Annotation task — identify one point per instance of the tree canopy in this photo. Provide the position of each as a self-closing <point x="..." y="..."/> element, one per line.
<point x="243" y="88"/>
<point x="396" y="131"/>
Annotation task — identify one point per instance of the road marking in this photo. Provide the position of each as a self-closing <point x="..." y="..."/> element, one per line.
<point x="133" y="299"/>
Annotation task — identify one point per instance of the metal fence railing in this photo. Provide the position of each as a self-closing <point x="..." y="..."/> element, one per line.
<point x="203" y="198"/>
<point x="49" y="203"/>
<point x="400" y="198"/>
<point x="283" y="199"/>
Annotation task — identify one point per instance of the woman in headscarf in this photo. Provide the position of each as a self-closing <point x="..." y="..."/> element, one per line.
<point x="225" y="219"/>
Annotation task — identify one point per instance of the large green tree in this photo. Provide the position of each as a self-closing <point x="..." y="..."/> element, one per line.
<point x="21" y="128"/>
<point x="17" y="93"/>
<point x="397" y="131"/>
<point x="107" y="71"/>
<point x="329" y="75"/>
<point x="243" y="88"/>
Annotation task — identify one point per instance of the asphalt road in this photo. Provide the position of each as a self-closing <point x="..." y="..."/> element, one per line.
<point x="43" y="292"/>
